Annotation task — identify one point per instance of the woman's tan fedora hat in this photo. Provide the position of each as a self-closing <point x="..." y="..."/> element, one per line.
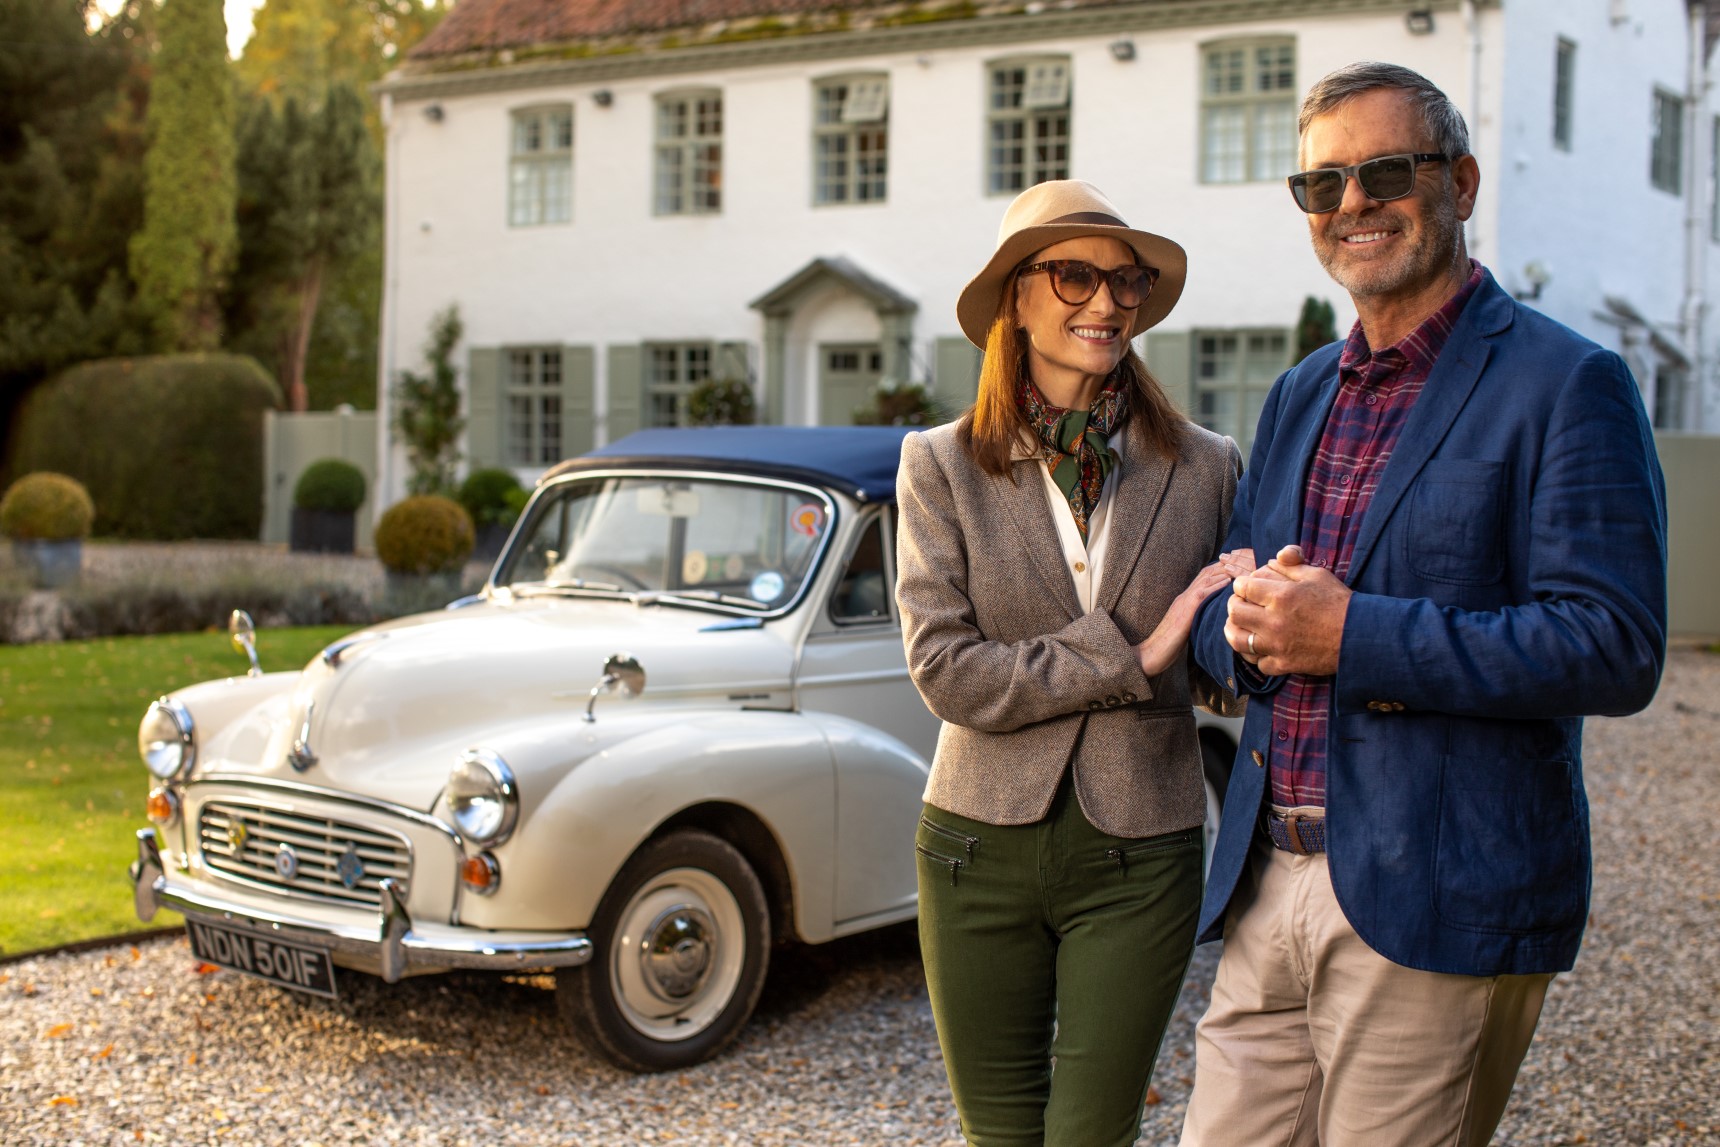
<point x="1051" y="212"/>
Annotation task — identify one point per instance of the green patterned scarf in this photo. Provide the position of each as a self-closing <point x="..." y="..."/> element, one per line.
<point x="1073" y="442"/>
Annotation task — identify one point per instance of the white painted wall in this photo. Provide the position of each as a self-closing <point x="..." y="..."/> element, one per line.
<point x="619" y="274"/>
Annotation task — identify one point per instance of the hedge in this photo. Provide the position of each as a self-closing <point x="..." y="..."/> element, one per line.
<point x="169" y="447"/>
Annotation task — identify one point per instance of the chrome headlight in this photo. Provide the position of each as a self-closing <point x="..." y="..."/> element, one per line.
<point x="167" y="739"/>
<point x="482" y="797"/>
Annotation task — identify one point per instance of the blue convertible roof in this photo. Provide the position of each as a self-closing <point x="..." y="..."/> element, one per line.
<point x="860" y="460"/>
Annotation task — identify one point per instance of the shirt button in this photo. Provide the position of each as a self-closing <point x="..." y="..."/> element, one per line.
<point x="1080" y="567"/>
<point x="1283" y="736"/>
<point x="1343" y="479"/>
<point x="1372" y="400"/>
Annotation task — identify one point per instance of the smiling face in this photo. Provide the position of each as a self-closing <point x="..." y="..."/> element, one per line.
<point x="1405" y="251"/>
<point x="1071" y="349"/>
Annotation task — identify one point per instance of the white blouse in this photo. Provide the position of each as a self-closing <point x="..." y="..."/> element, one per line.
<point x="1084" y="559"/>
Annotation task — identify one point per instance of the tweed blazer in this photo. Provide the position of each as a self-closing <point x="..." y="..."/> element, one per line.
<point x="1025" y="683"/>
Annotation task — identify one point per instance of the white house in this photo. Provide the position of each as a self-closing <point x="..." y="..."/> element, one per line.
<point x="627" y="198"/>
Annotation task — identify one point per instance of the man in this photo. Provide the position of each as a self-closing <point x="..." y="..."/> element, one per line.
<point x="1465" y="523"/>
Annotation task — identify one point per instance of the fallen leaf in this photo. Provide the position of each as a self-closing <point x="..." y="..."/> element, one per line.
<point x="135" y="954"/>
<point x="264" y="1090"/>
<point x="192" y="1059"/>
<point x="27" y="990"/>
<point x="204" y="969"/>
<point x="63" y="1101"/>
<point x="108" y="961"/>
<point x="1153" y="1097"/>
<point x="542" y="1090"/>
<point x="728" y="1106"/>
<point x="104" y="1052"/>
<point x="4" y="977"/>
<point x="97" y="992"/>
<point x="59" y="1031"/>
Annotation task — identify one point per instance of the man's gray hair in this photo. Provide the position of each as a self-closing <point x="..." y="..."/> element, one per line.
<point x="1438" y="114"/>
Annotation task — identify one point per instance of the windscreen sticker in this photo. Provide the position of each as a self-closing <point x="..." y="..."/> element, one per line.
<point x="733" y="567"/>
<point x="766" y="586"/>
<point x="807" y="519"/>
<point x="694" y="567"/>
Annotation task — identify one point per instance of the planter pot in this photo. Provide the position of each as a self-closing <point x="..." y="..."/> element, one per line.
<point x="321" y="532"/>
<point x="49" y="564"/>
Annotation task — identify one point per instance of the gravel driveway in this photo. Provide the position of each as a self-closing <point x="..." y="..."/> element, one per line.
<point x="134" y="1045"/>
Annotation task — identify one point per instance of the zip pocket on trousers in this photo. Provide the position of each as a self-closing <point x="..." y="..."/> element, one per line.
<point x="968" y="843"/>
<point x="1123" y="855"/>
<point x="953" y="863"/>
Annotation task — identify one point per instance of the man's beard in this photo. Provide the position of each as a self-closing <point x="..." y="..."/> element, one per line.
<point x="1437" y="245"/>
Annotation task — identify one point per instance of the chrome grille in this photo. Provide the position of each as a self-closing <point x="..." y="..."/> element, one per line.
<point x="317" y="843"/>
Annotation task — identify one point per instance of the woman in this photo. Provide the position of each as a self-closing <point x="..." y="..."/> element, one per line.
<point x="1051" y="553"/>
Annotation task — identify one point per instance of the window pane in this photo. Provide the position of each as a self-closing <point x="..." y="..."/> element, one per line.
<point x="520" y="430"/>
<point x="671" y="119"/>
<point x="1275" y="68"/>
<point x="549" y="430"/>
<point x="1274" y="141"/>
<point x="1226" y="145"/>
<point x="669" y="180"/>
<point x="1007" y="85"/>
<point x="561" y="124"/>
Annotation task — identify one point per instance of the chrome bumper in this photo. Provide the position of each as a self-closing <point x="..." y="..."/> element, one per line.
<point x="391" y="943"/>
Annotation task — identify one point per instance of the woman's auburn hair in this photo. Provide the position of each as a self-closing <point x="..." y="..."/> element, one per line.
<point x="993" y="425"/>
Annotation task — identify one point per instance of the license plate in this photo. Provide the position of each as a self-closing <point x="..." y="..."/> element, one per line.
<point x="296" y="966"/>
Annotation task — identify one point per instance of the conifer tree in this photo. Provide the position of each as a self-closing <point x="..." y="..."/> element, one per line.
<point x="181" y="257"/>
<point x="1315" y="328"/>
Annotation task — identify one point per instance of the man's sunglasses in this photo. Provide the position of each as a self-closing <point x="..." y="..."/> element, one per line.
<point x="1382" y="180"/>
<point x="1076" y="280"/>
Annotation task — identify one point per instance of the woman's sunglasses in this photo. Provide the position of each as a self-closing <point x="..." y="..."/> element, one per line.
<point x="1382" y="180"/>
<point x="1075" y="281"/>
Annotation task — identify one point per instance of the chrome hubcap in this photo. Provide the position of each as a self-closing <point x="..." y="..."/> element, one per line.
<point x="678" y="952"/>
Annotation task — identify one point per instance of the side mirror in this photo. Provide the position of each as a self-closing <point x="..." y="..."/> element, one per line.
<point x="620" y="671"/>
<point x="243" y="631"/>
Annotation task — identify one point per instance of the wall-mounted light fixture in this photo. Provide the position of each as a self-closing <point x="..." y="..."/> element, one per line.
<point x="1419" y="21"/>
<point x="434" y="113"/>
<point x="1535" y="274"/>
<point x="1122" y="51"/>
<point x="603" y="97"/>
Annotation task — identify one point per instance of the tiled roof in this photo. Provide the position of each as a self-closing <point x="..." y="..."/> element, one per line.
<point x="490" y="25"/>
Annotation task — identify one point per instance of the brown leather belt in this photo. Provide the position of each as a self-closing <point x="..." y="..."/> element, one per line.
<point x="1297" y="832"/>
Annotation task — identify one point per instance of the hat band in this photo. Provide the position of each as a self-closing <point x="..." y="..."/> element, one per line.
<point x="1086" y="217"/>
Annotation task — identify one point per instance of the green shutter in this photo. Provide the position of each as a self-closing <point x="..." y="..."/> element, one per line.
<point x="1170" y="356"/>
<point x="626" y="391"/>
<point x="578" y="400"/>
<point x="484" y="408"/>
<point x="731" y="363"/>
<point x="957" y="382"/>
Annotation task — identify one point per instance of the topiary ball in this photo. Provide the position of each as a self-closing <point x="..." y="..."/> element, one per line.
<point x="45" y="506"/>
<point x="425" y="534"/>
<point x="331" y="485"/>
<point x="489" y="496"/>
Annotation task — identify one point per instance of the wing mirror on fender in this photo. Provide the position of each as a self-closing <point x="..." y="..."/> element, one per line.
<point x="620" y="671"/>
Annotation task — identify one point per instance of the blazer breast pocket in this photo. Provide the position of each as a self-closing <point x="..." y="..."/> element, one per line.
<point x="1457" y="519"/>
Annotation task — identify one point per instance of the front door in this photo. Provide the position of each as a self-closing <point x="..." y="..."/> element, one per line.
<point x="848" y="375"/>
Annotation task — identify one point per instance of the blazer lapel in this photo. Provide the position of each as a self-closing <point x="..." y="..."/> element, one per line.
<point x="1134" y="506"/>
<point x="1442" y="399"/>
<point x="1035" y="530"/>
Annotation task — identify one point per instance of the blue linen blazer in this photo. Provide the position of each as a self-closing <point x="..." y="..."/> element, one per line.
<point x="1509" y="578"/>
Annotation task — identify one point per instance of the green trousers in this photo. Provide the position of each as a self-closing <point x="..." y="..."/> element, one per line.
<point x="1054" y="954"/>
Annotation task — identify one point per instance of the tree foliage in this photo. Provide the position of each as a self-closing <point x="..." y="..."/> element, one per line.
<point x="427" y="417"/>
<point x="299" y="48"/>
<point x="1315" y="328"/>
<point x="181" y="257"/>
<point x="71" y="146"/>
<point x="309" y="203"/>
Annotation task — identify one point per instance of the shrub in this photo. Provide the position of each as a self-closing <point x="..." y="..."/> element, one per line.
<point x="169" y="447"/>
<point x="899" y="404"/>
<point x="491" y="497"/>
<point x="47" y="507"/>
<point x="331" y="485"/>
<point x="425" y="534"/>
<point x="721" y="402"/>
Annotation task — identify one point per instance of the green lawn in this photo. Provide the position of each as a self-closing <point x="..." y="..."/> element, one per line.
<point x="71" y="784"/>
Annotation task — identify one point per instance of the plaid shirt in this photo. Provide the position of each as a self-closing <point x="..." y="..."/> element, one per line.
<point x="1376" y="392"/>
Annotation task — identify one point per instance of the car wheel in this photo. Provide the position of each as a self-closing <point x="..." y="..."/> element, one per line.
<point x="680" y="945"/>
<point x="1215" y="767"/>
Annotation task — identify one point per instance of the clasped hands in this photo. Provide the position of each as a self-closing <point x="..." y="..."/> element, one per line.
<point x="1287" y="617"/>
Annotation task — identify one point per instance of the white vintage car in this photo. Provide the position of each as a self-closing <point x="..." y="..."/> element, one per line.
<point x="674" y="729"/>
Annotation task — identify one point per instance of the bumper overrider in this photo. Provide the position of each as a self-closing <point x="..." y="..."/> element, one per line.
<point x="393" y="944"/>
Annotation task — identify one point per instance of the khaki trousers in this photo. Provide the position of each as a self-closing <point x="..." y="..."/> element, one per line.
<point x="1314" y="1038"/>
